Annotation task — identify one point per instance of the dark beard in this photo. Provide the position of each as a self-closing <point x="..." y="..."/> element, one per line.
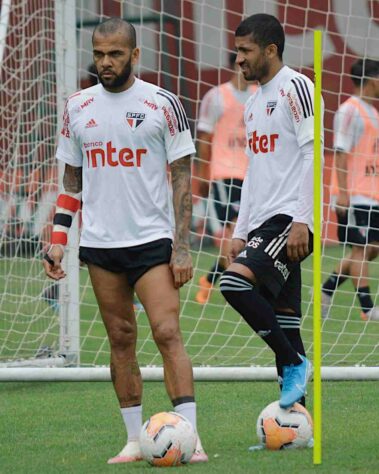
<point x="262" y="72"/>
<point x="118" y="81"/>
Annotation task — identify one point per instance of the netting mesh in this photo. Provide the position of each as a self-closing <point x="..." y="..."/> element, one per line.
<point x="185" y="48"/>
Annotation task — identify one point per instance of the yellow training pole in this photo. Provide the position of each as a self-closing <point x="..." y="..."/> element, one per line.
<point x="317" y="249"/>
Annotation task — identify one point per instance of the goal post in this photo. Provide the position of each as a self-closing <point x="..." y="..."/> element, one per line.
<point x="66" y="84"/>
<point x="46" y="52"/>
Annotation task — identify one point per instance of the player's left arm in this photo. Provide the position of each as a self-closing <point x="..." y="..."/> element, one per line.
<point x="181" y="260"/>
<point x="298" y="238"/>
<point x="300" y="105"/>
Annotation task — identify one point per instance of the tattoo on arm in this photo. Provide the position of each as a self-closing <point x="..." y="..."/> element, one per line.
<point x="72" y="179"/>
<point x="182" y="200"/>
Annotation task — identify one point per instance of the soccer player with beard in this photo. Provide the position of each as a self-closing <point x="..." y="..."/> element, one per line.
<point x="273" y="233"/>
<point x="116" y="141"/>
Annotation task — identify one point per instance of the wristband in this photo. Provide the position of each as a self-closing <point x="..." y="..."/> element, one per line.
<point x="67" y="206"/>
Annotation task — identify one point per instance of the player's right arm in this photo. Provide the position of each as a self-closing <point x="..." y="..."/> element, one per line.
<point x="68" y="201"/>
<point x="241" y="229"/>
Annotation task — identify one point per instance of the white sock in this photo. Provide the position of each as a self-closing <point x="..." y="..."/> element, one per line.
<point x="132" y="417"/>
<point x="189" y="411"/>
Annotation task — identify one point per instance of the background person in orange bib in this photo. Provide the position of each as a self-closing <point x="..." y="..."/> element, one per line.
<point x="356" y="179"/>
<point x="223" y="162"/>
<point x="116" y="141"/>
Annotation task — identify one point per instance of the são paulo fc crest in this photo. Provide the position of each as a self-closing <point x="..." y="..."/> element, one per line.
<point x="270" y="107"/>
<point x="134" y="119"/>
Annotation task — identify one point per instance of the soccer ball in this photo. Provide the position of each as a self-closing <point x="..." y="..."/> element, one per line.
<point x="278" y="428"/>
<point x="167" y="439"/>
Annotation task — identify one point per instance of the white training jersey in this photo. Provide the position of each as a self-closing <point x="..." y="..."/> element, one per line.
<point x="124" y="141"/>
<point x="279" y="121"/>
<point x="212" y="106"/>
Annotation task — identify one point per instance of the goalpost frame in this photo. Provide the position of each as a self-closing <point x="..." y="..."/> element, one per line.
<point x="66" y="84"/>
<point x="155" y="374"/>
<point x="68" y="353"/>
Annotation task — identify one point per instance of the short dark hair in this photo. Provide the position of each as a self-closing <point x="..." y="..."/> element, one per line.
<point x="232" y="59"/>
<point x="114" y="24"/>
<point x="264" y="30"/>
<point x="362" y="70"/>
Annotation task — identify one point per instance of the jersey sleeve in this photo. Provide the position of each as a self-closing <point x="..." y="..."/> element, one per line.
<point x="299" y="95"/>
<point x="68" y="149"/>
<point x="210" y="111"/>
<point x="177" y="134"/>
<point x="347" y="127"/>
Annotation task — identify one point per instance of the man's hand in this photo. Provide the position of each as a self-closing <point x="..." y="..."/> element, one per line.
<point x="342" y="203"/>
<point x="298" y="241"/>
<point x="235" y="249"/>
<point x="52" y="262"/>
<point x="181" y="265"/>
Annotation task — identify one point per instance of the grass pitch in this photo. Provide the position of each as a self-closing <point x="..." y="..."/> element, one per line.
<point x="73" y="428"/>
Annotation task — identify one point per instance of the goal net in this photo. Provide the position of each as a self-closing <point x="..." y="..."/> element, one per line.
<point x="45" y="55"/>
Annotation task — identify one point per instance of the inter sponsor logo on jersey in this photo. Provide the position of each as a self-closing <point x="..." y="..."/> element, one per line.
<point x="135" y="119"/>
<point x="103" y="156"/>
<point x="270" y="107"/>
<point x="262" y="143"/>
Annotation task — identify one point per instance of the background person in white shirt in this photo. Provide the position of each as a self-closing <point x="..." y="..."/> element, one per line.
<point x="116" y="140"/>
<point x="273" y="230"/>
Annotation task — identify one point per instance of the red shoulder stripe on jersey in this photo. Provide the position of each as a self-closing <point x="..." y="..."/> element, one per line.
<point x="59" y="238"/>
<point x="74" y="95"/>
<point x="68" y="202"/>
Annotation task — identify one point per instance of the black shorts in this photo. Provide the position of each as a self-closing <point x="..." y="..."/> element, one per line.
<point x="359" y="226"/>
<point x="226" y="195"/>
<point x="134" y="261"/>
<point x="265" y="254"/>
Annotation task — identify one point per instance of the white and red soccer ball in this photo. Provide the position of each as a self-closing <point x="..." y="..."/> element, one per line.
<point x="167" y="439"/>
<point x="279" y="428"/>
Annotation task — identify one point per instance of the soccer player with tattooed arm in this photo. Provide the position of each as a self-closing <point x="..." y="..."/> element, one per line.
<point x="116" y="141"/>
<point x="273" y="233"/>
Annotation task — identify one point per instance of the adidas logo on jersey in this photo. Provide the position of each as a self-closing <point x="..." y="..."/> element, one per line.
<point x="91" y="123"/>
<point x="243" y="254"/>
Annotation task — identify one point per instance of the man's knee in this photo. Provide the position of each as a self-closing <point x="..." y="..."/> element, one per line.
<point x="122" y="335"/>
<point x="166" y="335"/>
<point x="233" y="283"/>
